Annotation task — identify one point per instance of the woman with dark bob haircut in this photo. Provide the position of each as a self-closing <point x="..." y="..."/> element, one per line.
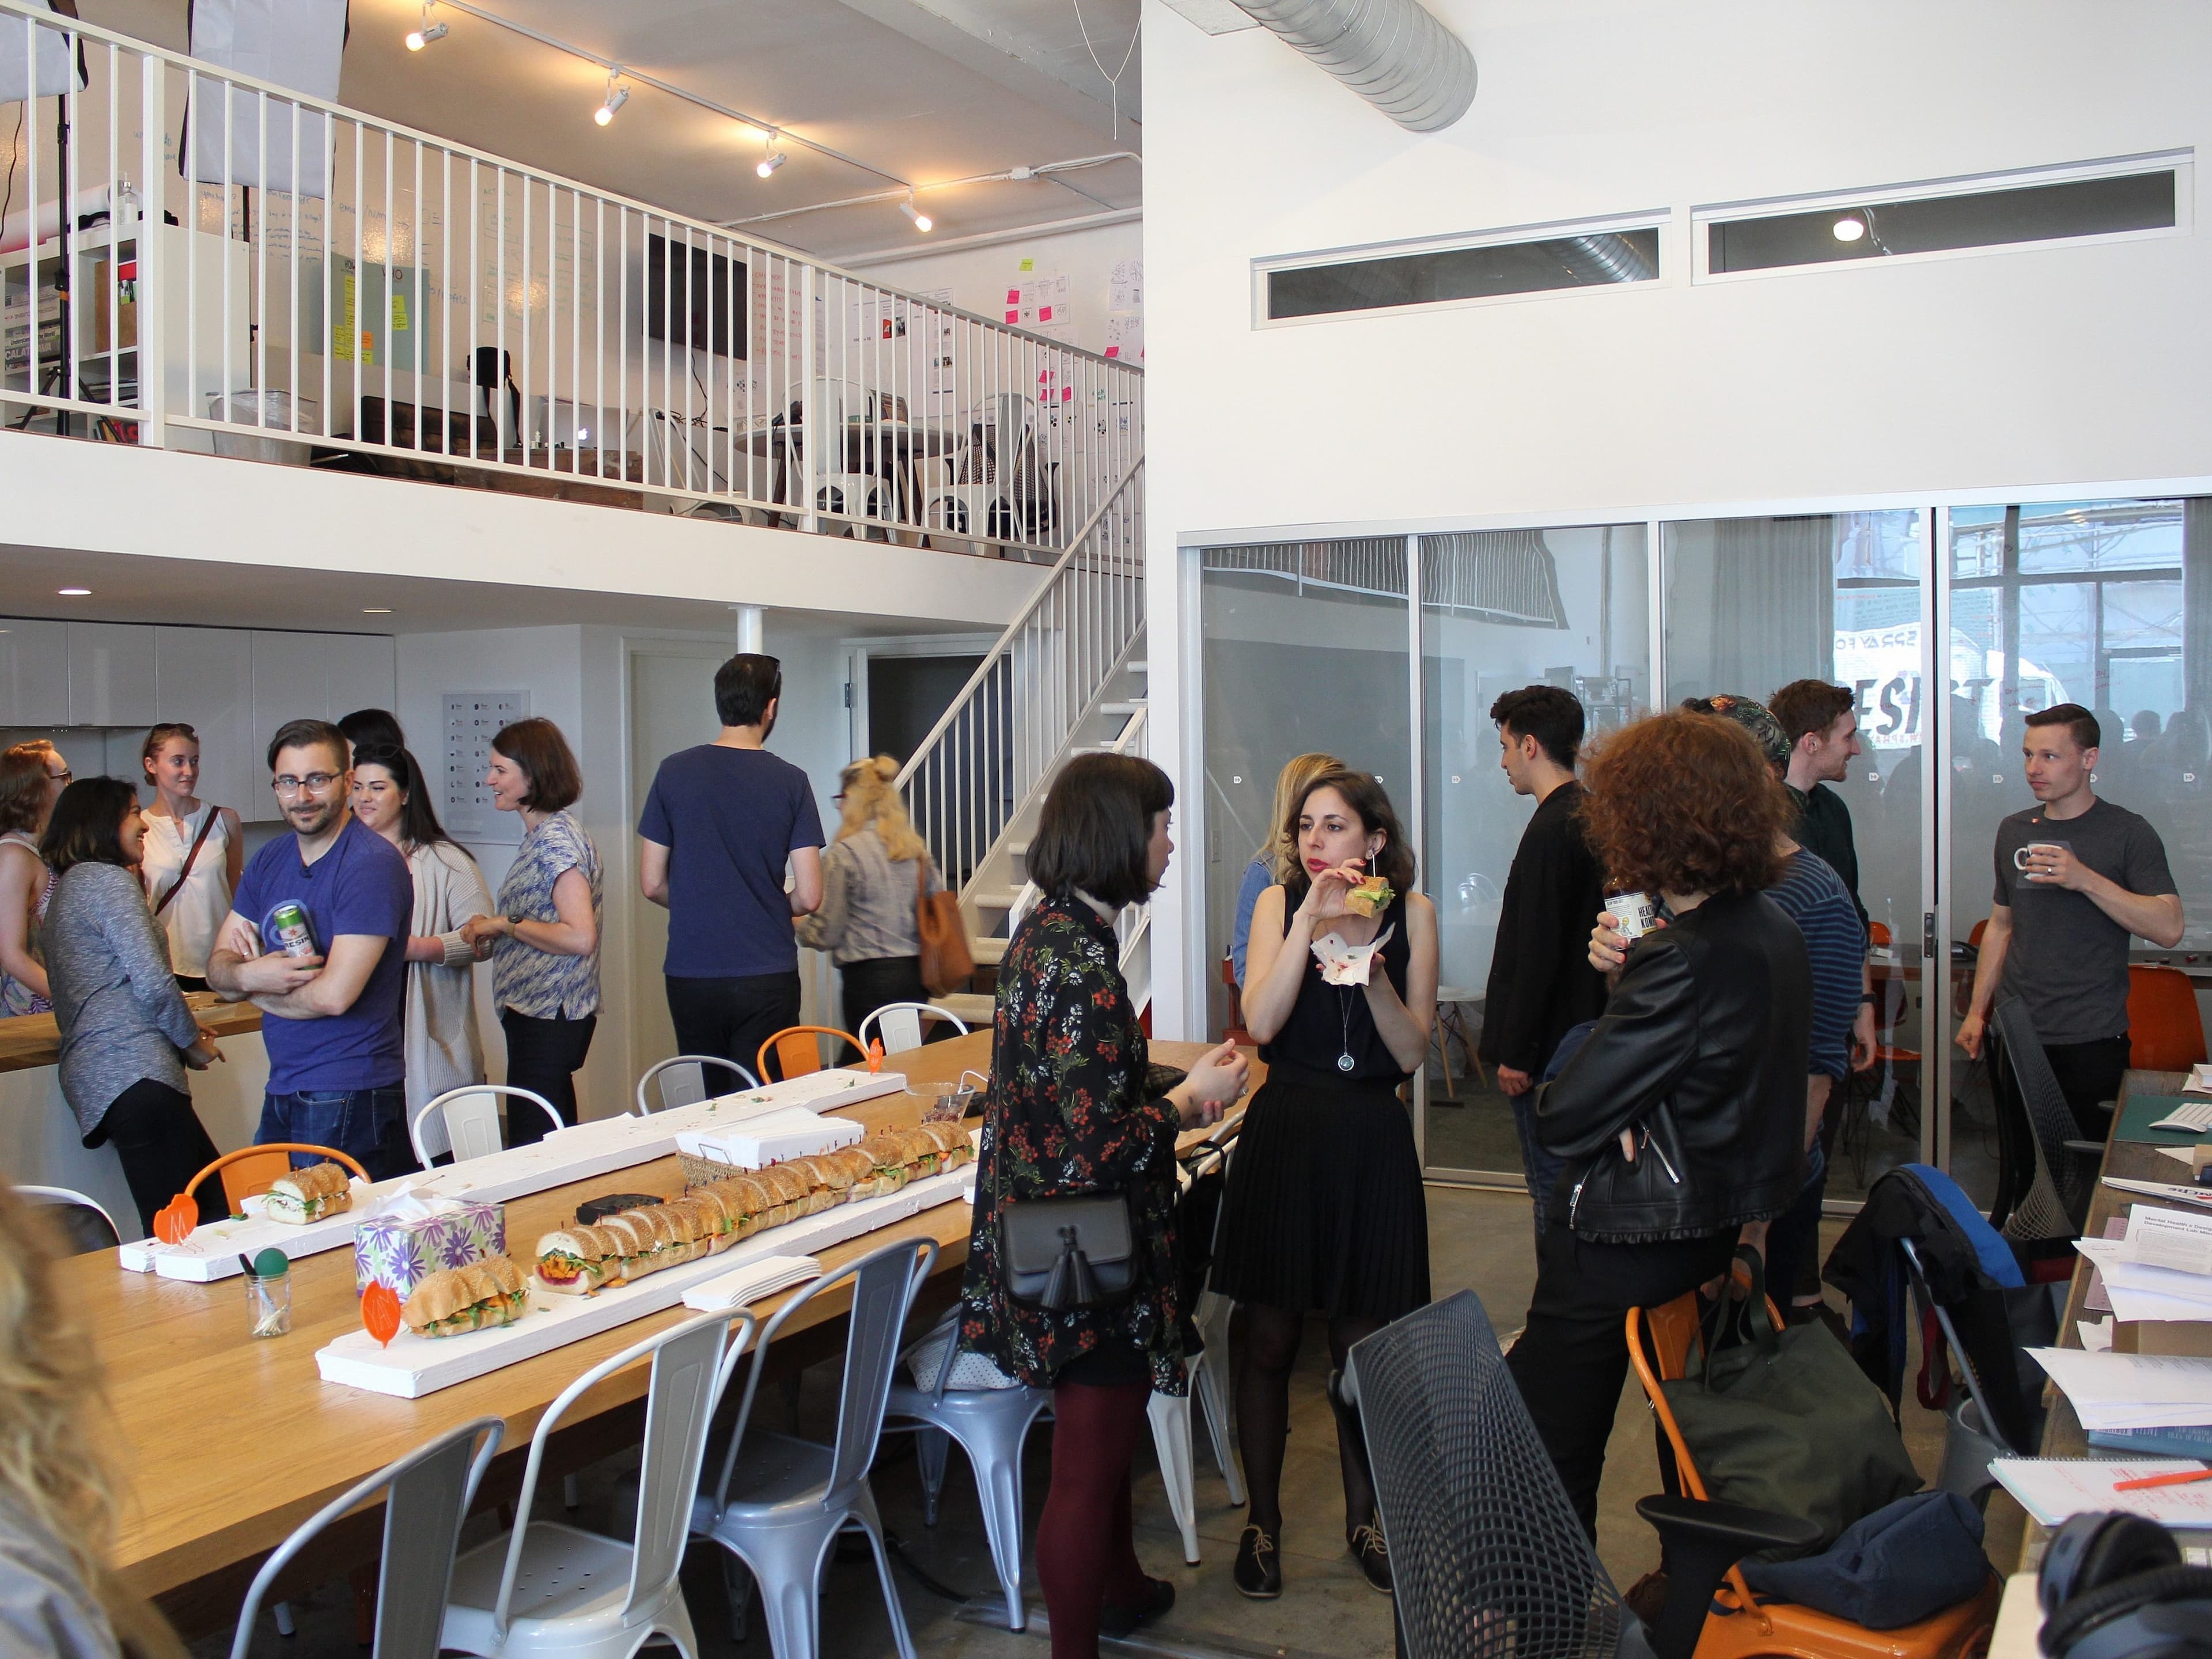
<point x="1324" y="1211"/>
<point x="1070" y="1114"/>
<point x="127" y="1036"/>
<point x="1681" y="1117"/>
<point x="545" y="940"/>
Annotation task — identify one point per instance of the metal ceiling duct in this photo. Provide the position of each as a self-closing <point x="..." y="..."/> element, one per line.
<point x="1394" y="53"/>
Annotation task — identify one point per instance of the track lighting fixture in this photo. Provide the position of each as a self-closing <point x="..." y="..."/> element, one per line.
<point x="617" y="95"/>
<point x="419" y="37"/>
<point x="921" y="221"/>
<point x="1849" y="228"/>
<point x="771" y="158"/>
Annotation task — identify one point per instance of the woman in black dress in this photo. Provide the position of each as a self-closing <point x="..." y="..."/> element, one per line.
<point x="1324" y="1208"/>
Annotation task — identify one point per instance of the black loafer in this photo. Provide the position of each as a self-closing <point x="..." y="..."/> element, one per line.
<point x="1122" y="1620"/>
<point x="1372" y="1554"/>
<point x="1259" y="1572"/>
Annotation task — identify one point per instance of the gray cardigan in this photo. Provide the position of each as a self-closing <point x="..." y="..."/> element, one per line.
<point x="121" y="1015"/>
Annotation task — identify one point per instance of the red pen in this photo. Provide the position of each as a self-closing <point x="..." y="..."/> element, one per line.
<point x="2179" y="1477"/>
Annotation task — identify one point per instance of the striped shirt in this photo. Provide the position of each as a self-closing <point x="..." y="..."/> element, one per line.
<point x="1814" y="897"/>
<point x="523" y="978"/>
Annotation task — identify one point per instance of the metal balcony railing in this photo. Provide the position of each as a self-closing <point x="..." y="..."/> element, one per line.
<point x="327" y="287"/>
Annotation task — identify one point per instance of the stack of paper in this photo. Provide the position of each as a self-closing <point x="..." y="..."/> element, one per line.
<point x="2052" y="1489"/>
<point x="2200" y="1080"/>
<point x="752" y="1282"/>
<point x="2160" y="1268"/>
<point x="2131" y="1390"/>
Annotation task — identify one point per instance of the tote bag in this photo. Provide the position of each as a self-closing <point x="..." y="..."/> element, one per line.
<point x="946" y="964"/>
<point x="1787" y="1421"/>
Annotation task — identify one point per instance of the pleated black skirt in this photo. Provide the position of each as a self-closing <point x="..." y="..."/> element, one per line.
<point x="1324" y="1210"/>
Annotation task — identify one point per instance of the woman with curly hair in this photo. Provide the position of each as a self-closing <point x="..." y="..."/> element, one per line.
<point x="1681" y="1118"/>
<point x="58" y="1594"/>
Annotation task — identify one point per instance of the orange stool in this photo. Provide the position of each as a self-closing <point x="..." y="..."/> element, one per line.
<point x="251" y="1170"/>
<point x="797" y="1054"/>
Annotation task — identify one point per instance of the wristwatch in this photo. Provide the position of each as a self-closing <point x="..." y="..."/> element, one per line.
<point x="514" y="922"/>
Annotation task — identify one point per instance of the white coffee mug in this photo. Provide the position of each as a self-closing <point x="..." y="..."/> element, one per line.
<point x="2021" y="855"/>
<point x="1634" y="914"/>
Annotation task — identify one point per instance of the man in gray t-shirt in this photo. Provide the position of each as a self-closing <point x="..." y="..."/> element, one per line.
<point x="2075" y="877"/>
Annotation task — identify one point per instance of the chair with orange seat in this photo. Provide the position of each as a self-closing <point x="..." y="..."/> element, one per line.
<point x="1738" y="1624"/>
<point x="251" y="1170"/>
<point x="797" y="1052"/>
<point x="2165" y="1032"/>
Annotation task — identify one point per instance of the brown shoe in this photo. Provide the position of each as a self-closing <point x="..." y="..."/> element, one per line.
<point x="1646" y="1596"/>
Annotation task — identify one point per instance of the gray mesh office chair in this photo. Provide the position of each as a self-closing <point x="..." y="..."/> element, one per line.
<point x="780" y="1502"/>
<point x="426" y="1498"/>
<point x="1489" y="1559"/>
<point x="683" y="1081"/>
<point x="2065" y="1176"/>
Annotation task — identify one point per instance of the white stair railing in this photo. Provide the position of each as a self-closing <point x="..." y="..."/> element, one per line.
<point x="995" y="746"/>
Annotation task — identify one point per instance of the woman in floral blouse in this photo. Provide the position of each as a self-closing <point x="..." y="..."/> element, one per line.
<point x="1069" y="1115"/>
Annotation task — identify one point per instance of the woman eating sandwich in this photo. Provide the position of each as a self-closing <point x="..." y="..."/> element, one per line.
<point x="1324" y="1209"/>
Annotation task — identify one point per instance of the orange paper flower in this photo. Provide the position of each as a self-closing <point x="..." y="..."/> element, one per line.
<point x="379" y="1313"/>
<point x="174" y="1221"/>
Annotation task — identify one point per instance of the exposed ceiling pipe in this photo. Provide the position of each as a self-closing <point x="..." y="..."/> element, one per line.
<point x="1394" y="53"/>
<point x="1616" y="256"/>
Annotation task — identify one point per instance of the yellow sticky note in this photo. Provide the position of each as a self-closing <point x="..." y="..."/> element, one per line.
<point x="399" y="313"/>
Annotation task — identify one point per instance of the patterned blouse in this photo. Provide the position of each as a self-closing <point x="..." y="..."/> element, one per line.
<point x="1068" y="1115"/>
<point x="538" y="983"/>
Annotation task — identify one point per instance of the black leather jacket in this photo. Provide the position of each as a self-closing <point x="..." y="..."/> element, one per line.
<point x="1703" y="1053"/>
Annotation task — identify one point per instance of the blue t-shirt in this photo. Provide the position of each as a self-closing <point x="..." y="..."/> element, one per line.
<point x="362" y="885"/>
<point x="730" y="818"/>
<point x="1814" y="897"/>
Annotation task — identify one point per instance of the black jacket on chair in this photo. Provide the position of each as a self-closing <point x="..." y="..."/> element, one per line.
<point x="1702" y="1053"/>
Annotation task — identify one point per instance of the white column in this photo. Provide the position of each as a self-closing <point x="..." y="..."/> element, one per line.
<point x="749" y="627"/>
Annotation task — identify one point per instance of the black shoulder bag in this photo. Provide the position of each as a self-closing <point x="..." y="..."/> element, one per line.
<point x="1063" y="1254"/>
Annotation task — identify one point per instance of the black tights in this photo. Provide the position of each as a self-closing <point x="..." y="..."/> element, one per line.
<point x="1263" y="1412"/>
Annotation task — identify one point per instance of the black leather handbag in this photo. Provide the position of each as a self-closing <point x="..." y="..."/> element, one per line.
<point x="1062" y="1253"/>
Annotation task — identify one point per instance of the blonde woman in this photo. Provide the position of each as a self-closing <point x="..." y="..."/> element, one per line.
<point x="58" y="1594"/>
<point x="871" y="874"/>
<point x="195" y="852"/>
<point x="1276" y="857"/>
<point x="32" y="778"/>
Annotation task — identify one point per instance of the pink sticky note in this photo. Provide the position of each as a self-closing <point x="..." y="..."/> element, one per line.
<point x="1112" y="351"/>
<point x="1044" y="313"/>
<point x="1013" y="317"/>
<point x="1013" y="296"/>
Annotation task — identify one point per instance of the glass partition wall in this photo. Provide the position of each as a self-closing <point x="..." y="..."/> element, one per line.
<point x="1311" y="645"/>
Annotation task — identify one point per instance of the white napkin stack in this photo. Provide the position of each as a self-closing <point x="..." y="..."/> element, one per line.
<point x="752" y="1282"/>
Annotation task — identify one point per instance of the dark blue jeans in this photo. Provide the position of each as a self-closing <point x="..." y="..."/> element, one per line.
<point x="370" y="1124"/>
<point x="1542" y="1167"/>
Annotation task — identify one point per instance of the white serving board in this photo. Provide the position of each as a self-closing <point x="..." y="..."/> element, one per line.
<point x="413" y="1366"/>
<point x="576" y="1153"/>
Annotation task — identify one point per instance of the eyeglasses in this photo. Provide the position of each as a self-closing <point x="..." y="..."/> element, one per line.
<point x="62" y="776"/>
<point x="314" y="783"/>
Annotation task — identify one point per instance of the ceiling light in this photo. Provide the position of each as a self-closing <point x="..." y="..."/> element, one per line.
<point x="617" y="97"/>
<point x="1849" y="228"/>
<point x="769" y="162"/>
<point x="921" y="221"/>
<point x="418" y="39"/>
<point x="376" y="610"/>
<point x="73" y="593"/>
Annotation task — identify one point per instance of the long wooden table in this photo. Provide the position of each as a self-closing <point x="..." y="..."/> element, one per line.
<point x="28" y="1041"/>
<point x="2131" y="1160"/>
<point x="230" y="1442"/>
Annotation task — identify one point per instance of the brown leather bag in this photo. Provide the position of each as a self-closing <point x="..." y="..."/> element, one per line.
<point x="946" y="964"/>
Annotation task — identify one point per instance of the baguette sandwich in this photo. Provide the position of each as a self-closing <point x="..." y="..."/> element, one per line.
<point x="743" y="1199"/>
<point x="919" y="1151"/>
<point x="857" y="1169"/>
<point x="789" y="1189"/>
<point x="832" y="1178"/>
<point x="953" y="1146"/>
<point x="889" y="1156"/>
<point x="299" y="1196"/>
<point x="1371" y="897"/>
<point x="578" y="1260"/>
<point x="475" y="1298"/>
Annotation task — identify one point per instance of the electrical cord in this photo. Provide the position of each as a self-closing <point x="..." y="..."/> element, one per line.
<point x="1113" y="81"/>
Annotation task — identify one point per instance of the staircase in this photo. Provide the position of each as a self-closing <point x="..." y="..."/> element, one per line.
<point x="1067" y="677"/>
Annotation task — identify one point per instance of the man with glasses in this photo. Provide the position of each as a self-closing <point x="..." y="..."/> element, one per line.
<point x="317" y="940"/>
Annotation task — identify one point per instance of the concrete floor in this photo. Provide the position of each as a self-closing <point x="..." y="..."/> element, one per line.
<point x="1479" y="1240"/>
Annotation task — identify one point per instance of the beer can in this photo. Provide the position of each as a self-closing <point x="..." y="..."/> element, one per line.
<point x="295" y="935"/>
<point x="1634" y="914"/>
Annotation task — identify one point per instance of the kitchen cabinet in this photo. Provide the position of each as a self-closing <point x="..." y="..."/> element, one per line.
<point x="204" y="677"/>
<point x="111" y="674"/>
<point x="33" y="672"/>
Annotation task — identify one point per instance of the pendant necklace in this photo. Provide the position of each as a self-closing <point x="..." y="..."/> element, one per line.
<point x="1344" y="1062"/>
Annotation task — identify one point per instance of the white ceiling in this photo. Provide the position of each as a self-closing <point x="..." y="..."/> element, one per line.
<point x="924" y="92"/>
<point x="128" y="588"/>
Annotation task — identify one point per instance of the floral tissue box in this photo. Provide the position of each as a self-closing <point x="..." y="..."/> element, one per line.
<point x="402" y="1243"/>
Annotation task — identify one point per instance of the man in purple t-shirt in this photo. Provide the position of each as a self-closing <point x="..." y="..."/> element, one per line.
<point x="332" y="1001"/>
<point x="720" y="825"/>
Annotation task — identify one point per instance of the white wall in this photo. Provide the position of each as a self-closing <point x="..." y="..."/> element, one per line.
<point x="2037" y="367"/>
<point x="980" y="277"/>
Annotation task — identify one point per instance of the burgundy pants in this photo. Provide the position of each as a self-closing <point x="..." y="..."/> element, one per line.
<point x="1086" y="1551"/>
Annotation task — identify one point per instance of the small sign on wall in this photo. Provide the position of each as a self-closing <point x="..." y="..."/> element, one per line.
<point x="473" y="719"/>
